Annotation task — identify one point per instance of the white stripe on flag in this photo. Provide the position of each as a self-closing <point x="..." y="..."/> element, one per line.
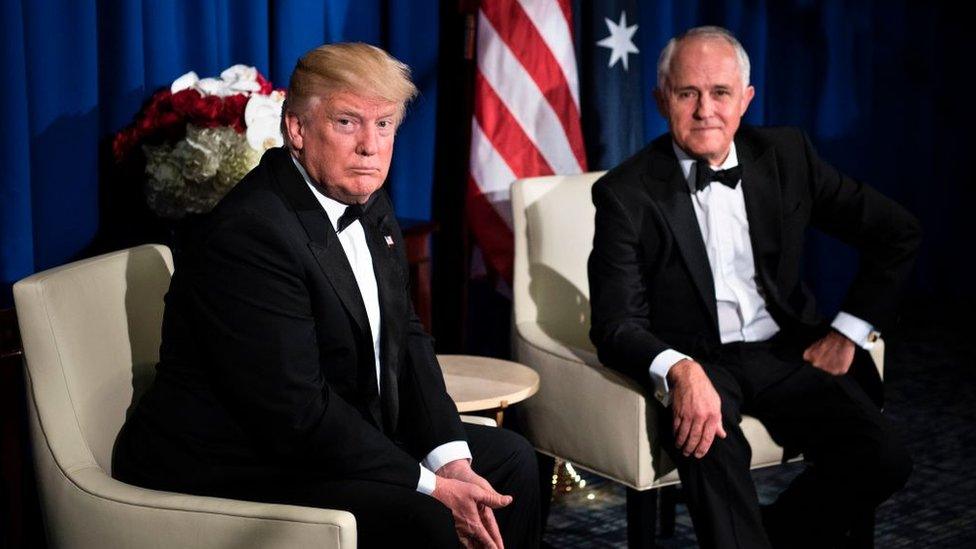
<point x="490" y="172"/>
<point x="548" y="18"/>
<point x="520" y="94"/>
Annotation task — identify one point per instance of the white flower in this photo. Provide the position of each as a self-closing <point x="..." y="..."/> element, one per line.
<point x="239" y="73"/>
<point x="241" y="78"/>
<point x="262" y="116"/>
<point x="184" y="82"/>
<point x="214" y="86"/>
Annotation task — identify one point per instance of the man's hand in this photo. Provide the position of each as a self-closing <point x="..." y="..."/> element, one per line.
<point x="471" y="499"/>
<point x="696" y="407"/>
<point x="833" y="353"/>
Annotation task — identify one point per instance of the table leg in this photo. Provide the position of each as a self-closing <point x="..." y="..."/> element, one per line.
<point x="500" y="414"/>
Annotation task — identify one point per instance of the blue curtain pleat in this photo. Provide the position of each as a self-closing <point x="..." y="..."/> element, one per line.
<point x="296" y="27"/>
<point x="16" y="214"/>
<point x="121" y="69"/>
<point x="413" y="39"/>
<point x="63" y="118"/>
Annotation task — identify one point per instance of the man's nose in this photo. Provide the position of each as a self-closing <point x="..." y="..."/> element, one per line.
<point x="705" y="107"/>
<point x="368" y="141"/>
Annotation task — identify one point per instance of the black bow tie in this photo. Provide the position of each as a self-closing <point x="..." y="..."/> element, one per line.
<point x="352" y="213"/>
<point x="704" y="176"/>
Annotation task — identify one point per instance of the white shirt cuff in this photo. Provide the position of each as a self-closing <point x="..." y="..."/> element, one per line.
<point x="659" y="369"/>
<point x="860" y="332"/>
<point x="427" y="481"/>
<point x="446" y="453"/>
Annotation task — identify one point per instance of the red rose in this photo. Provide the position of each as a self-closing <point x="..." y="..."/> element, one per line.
<point x="160" y="102"/>
<point x="124" y="141"/>
<point x="184" y="101"/>
<point x="265" y="85"/>
<point x="205" y="111"/>
<point x="167" y="120"/>
<point x="232" y="113"/>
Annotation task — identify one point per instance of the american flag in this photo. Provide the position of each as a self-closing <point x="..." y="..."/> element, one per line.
<point x="526" y="113"/>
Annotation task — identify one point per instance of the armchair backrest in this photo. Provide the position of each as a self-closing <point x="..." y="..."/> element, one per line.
<point x="91" y="333"/>
<point x="553" y="226"/>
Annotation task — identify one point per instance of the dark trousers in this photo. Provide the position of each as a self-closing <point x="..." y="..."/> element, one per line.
<point x="855" y="460"/>
<point x="394" y="516"/>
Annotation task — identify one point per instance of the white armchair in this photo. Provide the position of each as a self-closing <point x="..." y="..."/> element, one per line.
<point x="584" y="412"/>
<point x="91" y="333"/>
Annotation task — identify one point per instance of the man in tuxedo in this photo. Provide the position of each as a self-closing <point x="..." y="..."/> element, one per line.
<point x="293" y="368"/>
<point x="696" y="293"/>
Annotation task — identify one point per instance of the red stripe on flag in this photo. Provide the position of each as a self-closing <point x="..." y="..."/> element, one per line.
<point x="505" y="134"/>
<point x="490" y="231"/>
<point x="567" y="9"/>
<point x="523" y="39"/>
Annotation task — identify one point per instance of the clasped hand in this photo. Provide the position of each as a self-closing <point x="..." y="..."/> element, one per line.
<point x="471" y="500"/>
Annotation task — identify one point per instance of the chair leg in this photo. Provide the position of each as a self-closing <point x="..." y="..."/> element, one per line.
<point x="669" y="503"/>
<point x="641" y="518"/>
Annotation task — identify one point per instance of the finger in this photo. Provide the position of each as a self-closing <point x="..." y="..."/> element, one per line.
<point x="694" y="437"/>
<point x="488" y="519"/>
<point x="681" y="434"/>
<point x="486" y="486"/>
<point x="481" y="536"/>
<point x="808" y="354"/>
<point x="708" y="435"/>
<point x="464" y="541"/>
<point x="493" y="499"/>
<point x="720" y="429"/>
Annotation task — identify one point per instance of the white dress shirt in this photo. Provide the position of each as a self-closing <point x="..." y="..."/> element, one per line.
<point x="742" y="312"/>
<point x="353" y="240"/>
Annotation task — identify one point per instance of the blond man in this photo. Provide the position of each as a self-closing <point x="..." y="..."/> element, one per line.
<point x="293" y="368"/>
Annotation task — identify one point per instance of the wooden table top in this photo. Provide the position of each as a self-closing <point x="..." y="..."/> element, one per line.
<point x="478" y="383"/>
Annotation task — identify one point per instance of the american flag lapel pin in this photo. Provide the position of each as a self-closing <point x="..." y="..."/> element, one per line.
<point x="389" y="241"/>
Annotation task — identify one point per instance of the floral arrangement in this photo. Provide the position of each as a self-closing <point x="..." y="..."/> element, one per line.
<point x="201" y="136"/>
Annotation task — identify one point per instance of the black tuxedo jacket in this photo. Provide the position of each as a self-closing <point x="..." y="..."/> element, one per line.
<point x="267" y="366"/>
<point x="651" y="286"/>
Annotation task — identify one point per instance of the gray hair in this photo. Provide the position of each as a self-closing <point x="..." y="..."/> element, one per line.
<point x="709" y="32"/>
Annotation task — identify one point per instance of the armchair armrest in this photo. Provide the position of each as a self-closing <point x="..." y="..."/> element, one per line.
<point x="116" y="514"/>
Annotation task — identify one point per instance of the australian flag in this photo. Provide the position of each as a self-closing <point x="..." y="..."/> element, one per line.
<point x="612" y="88"/>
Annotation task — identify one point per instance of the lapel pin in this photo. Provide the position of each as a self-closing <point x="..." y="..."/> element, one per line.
<point x="389" y="241"/>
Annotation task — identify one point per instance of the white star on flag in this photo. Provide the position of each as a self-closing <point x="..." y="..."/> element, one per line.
<point x="620" y="41"/>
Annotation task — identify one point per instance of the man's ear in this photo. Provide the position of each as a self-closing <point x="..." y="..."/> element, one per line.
<point x="293" y="125"/>
<point x="662" y="102"/>
<point x="747" y="96"/>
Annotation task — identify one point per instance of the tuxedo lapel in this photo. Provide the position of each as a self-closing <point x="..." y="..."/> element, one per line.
<point x="761" y="189"/>
<point x="322" y="240"/>
<point x="668" y="185"/>
<point x="382" y="238"/>
<point x="331" y="258"/>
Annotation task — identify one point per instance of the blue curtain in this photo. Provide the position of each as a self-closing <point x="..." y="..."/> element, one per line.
<point x="76" y="71"/>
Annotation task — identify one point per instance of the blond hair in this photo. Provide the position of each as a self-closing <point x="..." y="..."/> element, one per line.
<point x="352" y="67"/>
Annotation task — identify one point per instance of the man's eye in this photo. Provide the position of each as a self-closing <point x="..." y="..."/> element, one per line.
<point x="384" y="123"/>
<point x="343" y="121"/>
<point x="686" y="94"/>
